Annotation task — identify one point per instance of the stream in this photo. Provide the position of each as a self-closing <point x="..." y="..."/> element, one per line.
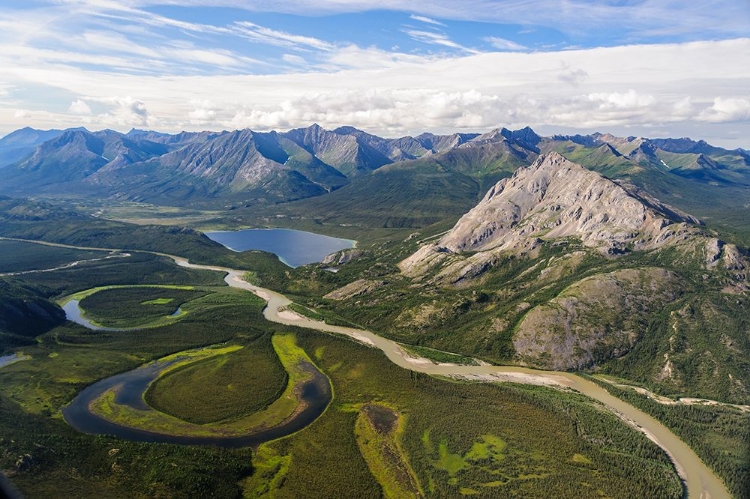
<point x="699" y="480"/>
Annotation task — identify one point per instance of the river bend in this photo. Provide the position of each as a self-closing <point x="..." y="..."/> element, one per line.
<point x="700" y="481"/>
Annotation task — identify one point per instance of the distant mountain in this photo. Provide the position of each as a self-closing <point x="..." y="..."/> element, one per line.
<point x="350" y="174"/>
<point x="349" y="153"/>
<point x="17" y="145"/>
<point x="72" y="158"/>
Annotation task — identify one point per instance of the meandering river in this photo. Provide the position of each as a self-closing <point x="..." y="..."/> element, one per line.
<point x="315" y="395"/>
<point x="700" y="481"/>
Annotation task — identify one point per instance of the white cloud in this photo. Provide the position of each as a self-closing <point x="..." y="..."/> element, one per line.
<point x="435" y="39"/>
<point x="683" y="108"/>
<point x="107" y="41"/>
<point x="426" y="19"/>
<point x="573" y="77"/>
<point x="618" y="100"/>
<point x="639" y="86"/>
<point x="352" y="57"/>
<point x="294" y="59"/>
<point x="727" y="109"/>
<point x="79" y="107"/>
<point x="203" y="113"/>
<point x="281" y="38"/>
<point x="123" y="111"/>
<point x="503" y="44"/>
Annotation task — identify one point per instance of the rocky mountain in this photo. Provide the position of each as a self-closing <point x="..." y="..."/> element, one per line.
<point x="347" y="152"/>
<point x="348" y="173"/>
<point x="559" y="267"/>
<point x="70" y="159"/>
<point x="17" y="145"/>
<point x="553" y="199"/>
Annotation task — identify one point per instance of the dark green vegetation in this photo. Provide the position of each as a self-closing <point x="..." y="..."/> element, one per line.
<point x="719" y="435"/>
<point x="49" y="459"/>
<point x="450" y="438"/>
<point x="16" y="256"/>
<point x="708" y="349"/>
<point x="133" y="307"/>
<point x="42" y="221"/>
<point x="24" y="314"/>
<point x="62" y="462"/>
<point x="379" y="431"/>
<point x="221" y="387"/>
<point x="137" y="269"/>
<point x="27" y="301"/>
<point x="325" y="457"/>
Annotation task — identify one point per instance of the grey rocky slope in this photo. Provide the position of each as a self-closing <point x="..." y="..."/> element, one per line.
<point x="600" y="309"/>
<point x="552" y="199"/>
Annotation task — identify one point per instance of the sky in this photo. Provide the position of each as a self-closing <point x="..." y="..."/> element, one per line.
<point x="653" y="68"/>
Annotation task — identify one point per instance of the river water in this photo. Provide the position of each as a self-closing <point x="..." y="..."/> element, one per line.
<point x="293" y="247"/>
<point x="699" y="480"/>
<point x="130" y="386"/>
<point x="7" y="360"/>
<point x="74" y="314"/>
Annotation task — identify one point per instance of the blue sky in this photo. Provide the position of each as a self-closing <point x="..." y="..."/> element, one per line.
<point x="651" y="68"/>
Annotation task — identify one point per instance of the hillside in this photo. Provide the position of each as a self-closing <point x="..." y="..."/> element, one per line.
<point x="559" y="267"/>
<point x="348" y="176"/>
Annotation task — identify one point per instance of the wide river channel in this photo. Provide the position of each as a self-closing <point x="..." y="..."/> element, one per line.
<point x="699" y="480"/>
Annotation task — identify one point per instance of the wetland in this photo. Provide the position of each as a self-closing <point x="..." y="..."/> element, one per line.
<point x="392" y="415"/>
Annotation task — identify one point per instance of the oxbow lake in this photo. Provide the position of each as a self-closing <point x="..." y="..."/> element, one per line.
<point x="293" y="247"/>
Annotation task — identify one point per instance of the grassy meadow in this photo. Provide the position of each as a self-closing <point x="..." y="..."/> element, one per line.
<point x="390" y="431"/>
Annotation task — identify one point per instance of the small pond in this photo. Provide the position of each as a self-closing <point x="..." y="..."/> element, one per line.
<point x="7" y="360"/>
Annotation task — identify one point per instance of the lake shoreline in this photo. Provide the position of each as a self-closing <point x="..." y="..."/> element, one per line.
<point x="293" y="247"/>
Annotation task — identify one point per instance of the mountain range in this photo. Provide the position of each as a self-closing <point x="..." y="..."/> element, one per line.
<point x="419" y="180"/>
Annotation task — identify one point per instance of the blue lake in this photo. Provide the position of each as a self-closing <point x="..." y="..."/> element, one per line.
<point x="293" y="247"/>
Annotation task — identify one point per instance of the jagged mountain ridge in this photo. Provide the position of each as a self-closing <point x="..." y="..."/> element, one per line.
<point x="259" y="168"/>
<point x="146" y="165"/>
<point x="553" y="199"/>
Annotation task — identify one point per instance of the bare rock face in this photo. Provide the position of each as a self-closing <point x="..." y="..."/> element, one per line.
<point x="555" y="198"/>
<point x="342" y="257"/>
<point x="356" y="288"/>
<point x="596" y="319"/>
<point x="713" y="252"/>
